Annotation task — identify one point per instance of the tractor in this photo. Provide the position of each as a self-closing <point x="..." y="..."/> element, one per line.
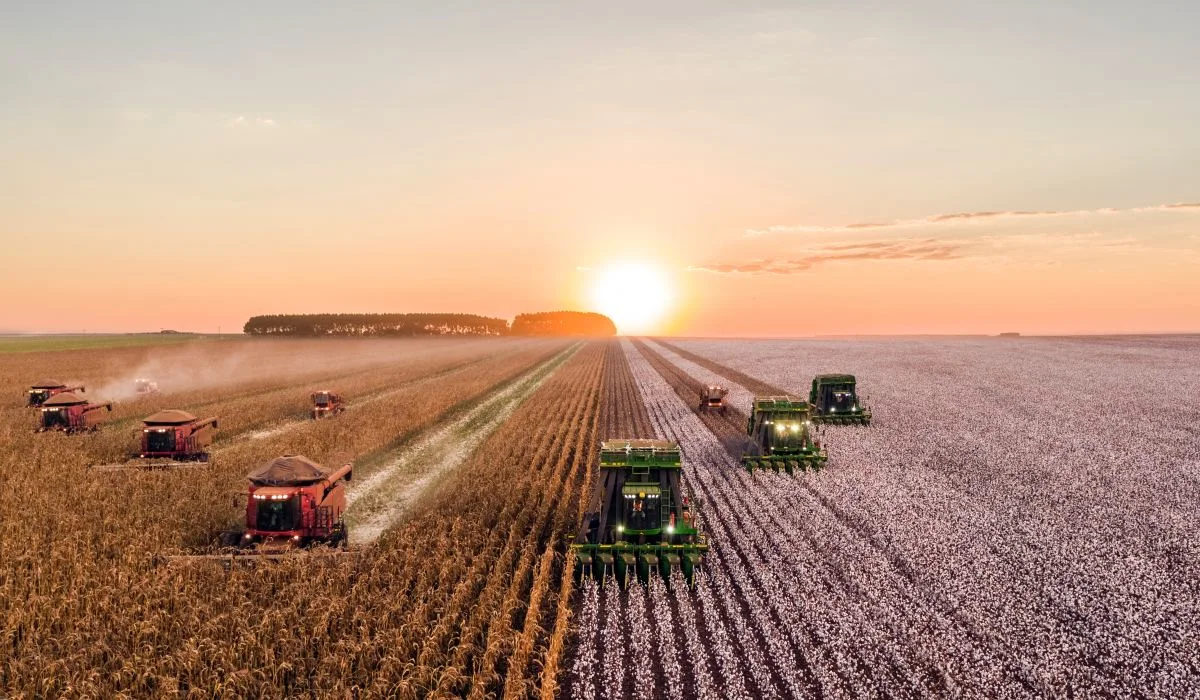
<point x="326" y="403"/>
<point x="41" y="391"/>
<point x="292" y="504"/>
<point x="70" y="413"/>
<point x="781" y="436"/>
<point x="639" y="523"/>
<point x="834" y="399"/>
<point x="170" y="439"/>
<point x="145" y="387"/>
<point x="712" y="398"/>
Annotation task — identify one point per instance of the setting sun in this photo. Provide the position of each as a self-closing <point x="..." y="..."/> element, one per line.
<point x="635" y="295"/>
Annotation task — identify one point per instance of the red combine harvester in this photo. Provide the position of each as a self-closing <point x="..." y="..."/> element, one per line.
<point x="145" y="387"/>
<point x="292" y="504"/>
<point x="41" y="391"/>
<point x="712" y="398"/>
<point x="70" y="414"/>
<point x="171" y="439"/>
<point x="326" y="403"/>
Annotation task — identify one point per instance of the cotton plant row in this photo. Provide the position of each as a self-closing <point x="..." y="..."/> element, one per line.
<point x="1034" y="497"/>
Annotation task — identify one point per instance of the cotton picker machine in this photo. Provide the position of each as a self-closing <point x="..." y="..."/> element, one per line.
<point x="292" y="504"/>
<point x="639" y="522"/>
<point x="326" y="403"/>
<point x="781" y="436"/>
<point x="170" y="439"/>
<point x="41" y="391"/>
<point x="70" y="413"/>
<point x="835" y="400"/>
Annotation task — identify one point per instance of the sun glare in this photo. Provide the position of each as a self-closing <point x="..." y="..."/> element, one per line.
<point x="635" y="295"/>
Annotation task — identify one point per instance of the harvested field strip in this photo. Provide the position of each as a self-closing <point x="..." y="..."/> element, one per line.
<point x="244" y="411"/>
<point x="396" y="479"/>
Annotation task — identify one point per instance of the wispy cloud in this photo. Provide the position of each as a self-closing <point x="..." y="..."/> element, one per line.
<point x="900" y="249"/>
<point x="244" y="121"/>
<point x="965" y="217"/>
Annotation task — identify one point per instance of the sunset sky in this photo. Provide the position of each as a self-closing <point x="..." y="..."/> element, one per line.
<point x="777" y="168"/>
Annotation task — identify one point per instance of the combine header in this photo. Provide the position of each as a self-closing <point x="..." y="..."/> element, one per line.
<point x="69" y="413"/>
<point x="171" y="439"/>
<point x="782" y="436"/>
<point x="292" y="504"/>
<point x="712" y="398"/>
<point x="326" y="403"/>
<point x="834" y="400"/>
<point x="41" y="391"/>
<point x="639" y="522"/>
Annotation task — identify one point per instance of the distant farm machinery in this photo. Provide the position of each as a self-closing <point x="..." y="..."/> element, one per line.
<point x="170" y="439"/>
<point x="639" y="523"/>
<point x="69" y="413"/>
<point x="834" y="399"/>
<point x="326" y="403"/>
<point x="712" y="398"/>
<point x="41" y="391"/>
<point x="782" y="436"/>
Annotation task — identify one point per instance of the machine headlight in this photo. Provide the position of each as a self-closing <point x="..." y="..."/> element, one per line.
<point x="670" y="529"/>
<point x="795" y="427"/>
<point x="620" y="528"/>
<point x="854" y="410"/>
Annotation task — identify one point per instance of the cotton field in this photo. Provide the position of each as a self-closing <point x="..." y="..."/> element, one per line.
<point x="1019" y="520"/>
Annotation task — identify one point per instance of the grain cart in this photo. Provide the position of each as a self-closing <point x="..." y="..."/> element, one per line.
<point x="639" y="523"/>
<point x="326" y="403"/>
<point x="712" y="398"/>
<point x="834" y="400"/>
<point x="41" y="391"/>
<point x="781" y="436"/>
<point x="292" y="504"/>
<point x="170" y="439"/>
<point x="70" y="413"/>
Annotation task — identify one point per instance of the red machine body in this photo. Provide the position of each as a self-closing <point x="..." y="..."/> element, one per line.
<point x="70" y="413"/>
<point x="295" y="502"/>
<point x="40" y="392"/>
<point x="326" y="403"/>
<point x="712" y="398"/>
<point x="177" y="435"/>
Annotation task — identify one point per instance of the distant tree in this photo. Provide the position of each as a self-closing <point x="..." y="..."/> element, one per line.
<point x="368" y="325"/>
<point x="560" y="323"/>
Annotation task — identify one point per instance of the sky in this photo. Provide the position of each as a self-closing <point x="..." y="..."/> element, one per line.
<point x="785" y="169"/>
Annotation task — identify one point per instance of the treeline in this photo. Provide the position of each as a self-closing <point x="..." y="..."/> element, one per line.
<point x="554" y="323"/>
<point x="563" y="323"/>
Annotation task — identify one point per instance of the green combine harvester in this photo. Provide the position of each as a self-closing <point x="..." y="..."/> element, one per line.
<point x="835" y="400"/>
<point x="639" y="522"/>
<point x="782" y="436"/>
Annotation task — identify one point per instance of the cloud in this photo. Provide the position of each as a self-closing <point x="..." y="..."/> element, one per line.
<point x="900" y="249"/>
<point x="966" y="216"/>
<point x="244" y="121"/>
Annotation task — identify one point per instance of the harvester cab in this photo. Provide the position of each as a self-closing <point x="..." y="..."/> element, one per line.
<point x="712" y="398"/>
<point x="292" y="503"/>
<point x="834" y="398"/>
<point x="782" y="436"/>
<point x="326" y="403"/>
<point x="70" y="413"/>
<point x="170" y="439"/>
<point x="40" y="392"/>
<point x="145" y="386"/>
<point x="639" y="522"/>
